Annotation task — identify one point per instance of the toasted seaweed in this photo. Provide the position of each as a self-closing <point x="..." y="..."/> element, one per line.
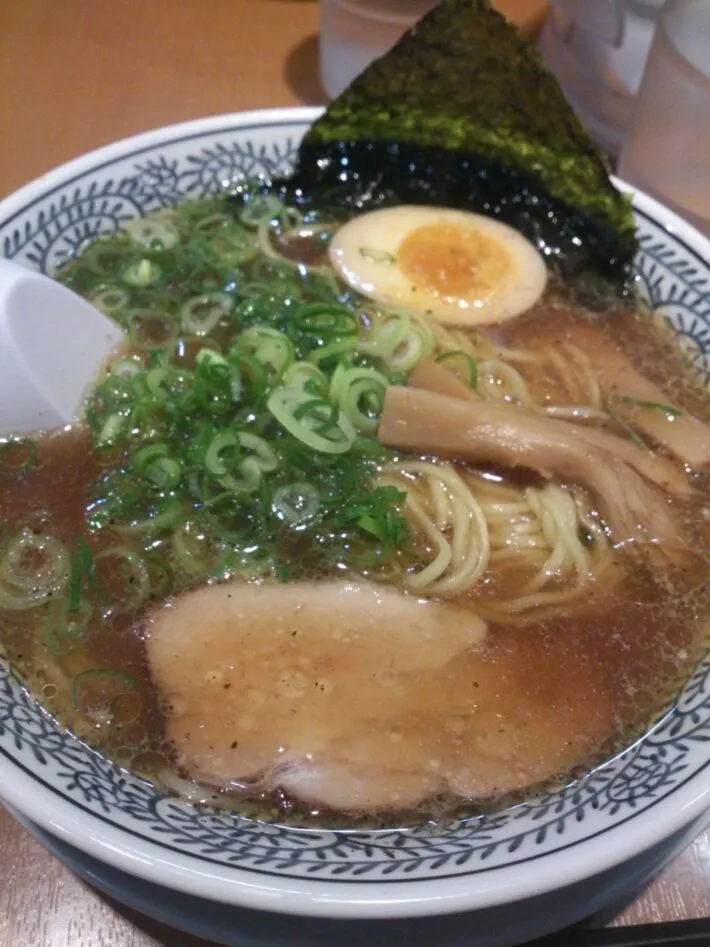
<point x="462" y="112"/>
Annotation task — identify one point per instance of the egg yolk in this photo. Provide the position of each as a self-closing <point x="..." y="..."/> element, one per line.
<point x="454" y="261"/>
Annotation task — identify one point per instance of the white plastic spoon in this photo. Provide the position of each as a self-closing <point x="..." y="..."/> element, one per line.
<point x="52" y="345"/>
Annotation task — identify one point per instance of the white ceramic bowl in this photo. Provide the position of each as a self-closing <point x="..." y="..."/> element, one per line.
<point x="632" y="811"/>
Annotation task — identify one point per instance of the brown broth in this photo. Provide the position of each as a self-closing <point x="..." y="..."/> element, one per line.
<point x="637" y="642"/>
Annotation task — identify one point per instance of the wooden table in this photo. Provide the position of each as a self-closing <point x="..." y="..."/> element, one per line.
<point x="77" y="74"/>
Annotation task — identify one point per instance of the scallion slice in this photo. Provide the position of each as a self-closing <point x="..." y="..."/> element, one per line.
<point x="152" y="233"/>
<point x="359" y="392"/>
<point x="470" y="362"/>
<point x="201" y="314"/>
<point x="296" y="503"/>
<point x="18" y="455"/>
<point x="95" y="690"/>
<point x="312" y="421"/>
<point x="653" y="406"/>
<point x="33" y="567"/>
<point x="141" y="273"/>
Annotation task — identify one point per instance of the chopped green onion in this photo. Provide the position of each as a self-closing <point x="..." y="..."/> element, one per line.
<point x="248" y="404"/>
<point x="263" y="455"/>
<point x="247" y="482"/>
<point x="193" y="550"/>
<point x="117" y="390"/>
<point x="305" y="375"/>
<point x="260" y="208"/>
<point x="250" y="369"/>
<point x="158" y="381"/>
<point x="360" y="393"/>
<point x="472" y="368"/>
<point x="126" y="368"/>
<point x="65" y="629"/>
<point x="628" y="430"/>
<point x="653" y="406"/>
<point x="141" y="274"/>
<point x="165" y="473"/>
<point x="385" y="335"/>
<point x="95" y="690"/>
<point x="114" y="426"/>
<point x="33" y="567"/>
<point x="269" y="347"/>
<point x="110" y="300"/>
<point x="233" y="246"/>
<point x="398" y="339"/>
<point x="221" y="453"/>
<point x="165" y="516"/>
<point x="152" y="233"/>
<point x="18" y="455"/>
<point x="325" y="320"/>
<point x="217" y="367"/>
<point x="333" y="350"/>
<point x="201" y="314"/>
<point x="312" y="421"/>
<point x="127" y="567"/>
<point x="377" y="513"/>
<point x="296" y="503"/>
<point x="373" y="255"/>
<point x="81" y="567"/>
<point x="151" y="330"/>
<point x="212" y="223"/>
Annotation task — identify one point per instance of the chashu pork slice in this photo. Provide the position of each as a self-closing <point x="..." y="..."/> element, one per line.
<point x="357" y="697"/>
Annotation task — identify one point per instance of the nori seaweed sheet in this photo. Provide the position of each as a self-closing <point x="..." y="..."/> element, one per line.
<point x="462" y="112"/>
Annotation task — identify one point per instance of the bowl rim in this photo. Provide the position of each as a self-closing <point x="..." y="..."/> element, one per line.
<point x="315" y="897"/>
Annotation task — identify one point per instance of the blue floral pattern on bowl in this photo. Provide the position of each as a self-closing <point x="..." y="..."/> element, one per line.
<point x="40" y="230"/>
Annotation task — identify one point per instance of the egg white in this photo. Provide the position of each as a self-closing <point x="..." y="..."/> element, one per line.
<point x="365" y="254"/>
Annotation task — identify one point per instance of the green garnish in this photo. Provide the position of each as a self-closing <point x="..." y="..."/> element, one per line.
<point x="81" y="572"/>
<point x="471" y="364"/>
<point x="296" y="503"/>
<point x="653" y="406"/>
<point x="372" y="255"/>
<point x="627" y="429"/>
<point x="65" y="629"/>
<point x="18" y="455"/>
<point x="243" y="421"/>
<point x="378" y="514"/>
<point x="94" y="691"/>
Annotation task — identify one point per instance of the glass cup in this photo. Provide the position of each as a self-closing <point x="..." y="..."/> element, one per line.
<point x="598" y="50"/>
<point x="354" y="32"/>
<point x="667" y="148"/>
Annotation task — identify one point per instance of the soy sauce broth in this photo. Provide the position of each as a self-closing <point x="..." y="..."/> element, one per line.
<point x="639" y="639"/>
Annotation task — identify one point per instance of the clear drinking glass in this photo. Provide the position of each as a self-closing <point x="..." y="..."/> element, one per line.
<point x="598" y="50"/>
<point x="354" y="32"/>
<point x="667" y="148"/>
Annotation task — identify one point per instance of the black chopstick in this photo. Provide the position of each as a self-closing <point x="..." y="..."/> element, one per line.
<point x="666" y="934"/>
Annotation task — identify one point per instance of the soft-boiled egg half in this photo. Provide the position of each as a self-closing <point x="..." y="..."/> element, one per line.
<point x="457" y="267"/>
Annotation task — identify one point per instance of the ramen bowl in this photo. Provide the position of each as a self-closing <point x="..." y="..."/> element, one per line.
<point x="567" y="851"/>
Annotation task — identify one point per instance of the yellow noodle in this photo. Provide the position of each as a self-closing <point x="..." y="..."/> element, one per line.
<point x="400" y="338"/>
<point x="474" y="527"/>
<point x="499" y="381"/>
<point x="574" y="370"/>
<point x="556" y="511"/>
<point x="576" y="413"/>
<point x="591" y="392"/>
<point x="441" y="506"/>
